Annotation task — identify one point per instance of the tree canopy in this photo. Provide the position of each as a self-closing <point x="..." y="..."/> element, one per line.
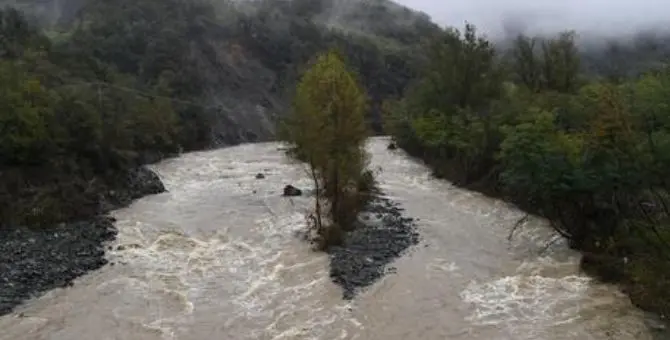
<point x="327" y="129"/>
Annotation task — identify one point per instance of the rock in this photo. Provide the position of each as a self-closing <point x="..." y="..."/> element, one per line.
<point x="260" y="176"/>
<point x="126" y="186"/>
<point x="392" y="146"/>
<point x="290" y="190"/>
<point x="143" y="182"/>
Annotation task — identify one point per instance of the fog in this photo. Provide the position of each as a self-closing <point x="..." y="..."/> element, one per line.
<point x="498" y="18"/>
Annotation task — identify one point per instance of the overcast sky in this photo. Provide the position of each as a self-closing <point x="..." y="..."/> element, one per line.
<point x="601" y="16"/>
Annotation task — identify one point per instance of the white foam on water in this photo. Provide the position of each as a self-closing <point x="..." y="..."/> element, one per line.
<point x="442" y="266"/>
<point x="526" y="303"/>
<point x="266" y="278"/>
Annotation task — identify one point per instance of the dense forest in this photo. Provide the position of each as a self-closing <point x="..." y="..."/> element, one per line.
<point x="531" y="124"/>
<point x="91" y="90"/>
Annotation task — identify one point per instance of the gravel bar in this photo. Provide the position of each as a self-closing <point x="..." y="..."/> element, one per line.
<point x="384" y="235"/>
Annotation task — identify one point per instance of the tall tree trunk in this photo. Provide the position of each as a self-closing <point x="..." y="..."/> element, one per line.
<point x="317" y="200"/>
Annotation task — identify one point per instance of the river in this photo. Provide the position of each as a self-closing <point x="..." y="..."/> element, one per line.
<point x="218" y="256"/>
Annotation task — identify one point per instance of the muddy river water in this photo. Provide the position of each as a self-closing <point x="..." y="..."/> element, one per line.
<point x="218" y="257"/>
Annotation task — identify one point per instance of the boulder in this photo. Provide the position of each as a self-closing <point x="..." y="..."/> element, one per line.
<point x="392" y="146"/>
<point x="260" y="176"/>
<point x="290" y="190"/>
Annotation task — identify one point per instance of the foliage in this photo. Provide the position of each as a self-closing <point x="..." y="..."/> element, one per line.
<point x="546" y="64"/>
<point x="327" y="130"/>
<point x="460" y="81"/>
<point x="589" y="155"/>
<point x="58" y="132"/>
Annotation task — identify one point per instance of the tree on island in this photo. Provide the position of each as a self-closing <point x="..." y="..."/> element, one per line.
<point x="327" y="131"/>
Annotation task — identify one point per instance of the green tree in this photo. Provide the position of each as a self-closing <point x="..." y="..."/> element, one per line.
<point x="24" y="114"/>
<point x="450" y="111"/>
<point x="327" y="128"/>
<point x="543" y="64"/>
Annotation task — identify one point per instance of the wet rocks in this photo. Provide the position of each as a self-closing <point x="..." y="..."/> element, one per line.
<point x="128" y="186"/>
<point x="34" y="261"/>
<point x="391" y="146"/>
<point x="260" y="176"/>
<point x="142" y="182"/>
<point x="290" y="190"/>
<point x="370" y="248"/>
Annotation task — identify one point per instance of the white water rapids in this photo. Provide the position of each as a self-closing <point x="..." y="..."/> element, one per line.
<point x="218" y="257"/>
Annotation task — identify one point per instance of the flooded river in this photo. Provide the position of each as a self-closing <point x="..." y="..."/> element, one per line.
<point x="218" y="257"/>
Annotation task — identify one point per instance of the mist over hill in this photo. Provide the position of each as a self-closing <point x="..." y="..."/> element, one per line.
<point x="499" y="19"/>
<point x="624" y="34"/>
<point x="615" y="37"/>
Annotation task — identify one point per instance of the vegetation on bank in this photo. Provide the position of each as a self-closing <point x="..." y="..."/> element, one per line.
<point x="588" y="153"/>
<point x="327" y="131"/>
<point x="65" y="139"/>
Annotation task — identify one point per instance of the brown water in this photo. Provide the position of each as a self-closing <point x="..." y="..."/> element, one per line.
<point x="218" y="257"/>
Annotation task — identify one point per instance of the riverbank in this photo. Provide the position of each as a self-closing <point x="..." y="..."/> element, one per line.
<point x="33" y="261"/>
<point x="383" y="235"/>
<point x="640" y="276"/>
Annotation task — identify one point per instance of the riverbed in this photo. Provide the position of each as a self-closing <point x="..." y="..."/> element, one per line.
<point x="220" y="256"/>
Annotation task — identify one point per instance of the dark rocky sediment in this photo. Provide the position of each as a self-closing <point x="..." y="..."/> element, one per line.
<point x="129" y="186"/>
<point x="33" y="261"/>
<point x="384" y="235"/>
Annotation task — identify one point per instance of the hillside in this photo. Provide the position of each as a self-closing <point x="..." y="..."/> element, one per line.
<point x="627" y="57"/>
<point x="244" y="55"/>
<point x="123" y="83"/>
<point x="131" y="82"/>
<point x="226" y="68"/>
